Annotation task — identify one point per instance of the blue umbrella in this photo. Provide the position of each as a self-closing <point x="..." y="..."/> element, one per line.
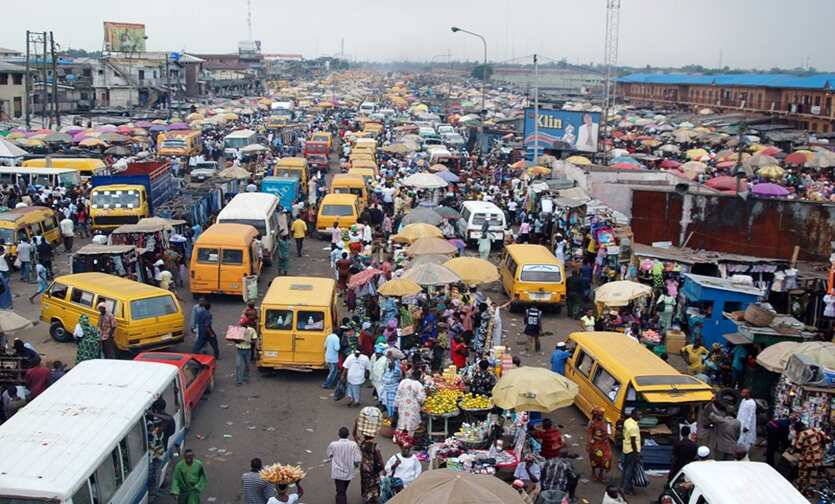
<point x="625" y="159"/>
<point x="158" y="127"/>
<point x="448" y="176"/>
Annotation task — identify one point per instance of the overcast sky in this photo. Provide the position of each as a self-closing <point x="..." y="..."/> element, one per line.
<point x="749" y="33"/>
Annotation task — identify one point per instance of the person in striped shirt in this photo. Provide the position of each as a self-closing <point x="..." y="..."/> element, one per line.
<point x="256" y="490"/>
<point x="345" y="457"/>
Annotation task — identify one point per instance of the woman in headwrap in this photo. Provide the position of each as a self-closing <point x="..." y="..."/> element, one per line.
<point x="597" y="445"/>
<point x="89" y="343"/>
<point x="408" y="400"/>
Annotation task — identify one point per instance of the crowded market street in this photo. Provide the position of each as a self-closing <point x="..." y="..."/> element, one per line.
<point x="262" y="278"/>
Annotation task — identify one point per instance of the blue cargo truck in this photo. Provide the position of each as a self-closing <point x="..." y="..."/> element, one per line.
<point x="286" y="188"/>
<point x="130" y="195"/>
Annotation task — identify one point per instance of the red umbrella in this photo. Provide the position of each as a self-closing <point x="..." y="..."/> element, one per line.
<point x="626" y="166"/>
<point x="796" y="158"/>
<point x="363" y="277"/>
<point x="723" y="183"/>
<point x="726" y="164"/>
<point x="669" y="164"/>
<point x="770" y="151"/>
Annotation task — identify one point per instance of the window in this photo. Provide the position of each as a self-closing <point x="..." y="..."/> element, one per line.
<point x="17" y="79"/>
<point x="141" y="74"/>
<point x="279" y="319"/>
<point x="58" y="291"/>
<point x="682" y="488"/>
<point x="192" y="371"/>
<point x="732" y="306"/>
<point x="338" y="211"/>
<point x="83" y="95"/>
<point x="233" y="256"/>
<point x="158" y="306"/>
<point x="82" y="495"/>
<point x="584" y="363"/>
<point x="18" y="106"/>
<point x="606" y="383"/>
<point x="133" y="446"/>
<point x="110" y="304"/>
<point x="541" y="273"/>
<point x="109" y="477"/>
<point x="310" y="321"/>
<point x="87" y="72"/>
<point x="82" y="297"/>
<point x="4" y="79"/>
<point x="207" y="255"/>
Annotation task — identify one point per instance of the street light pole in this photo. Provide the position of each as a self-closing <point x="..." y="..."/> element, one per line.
<point x="455" y="29"/>
<point x="535" y="110"/>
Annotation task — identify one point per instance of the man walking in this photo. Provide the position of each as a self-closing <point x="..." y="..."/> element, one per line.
<point x="299" y="228"/>
<point x="256" y="490"/>
<point x="24" y="255"/>
<point x="189" y="479"/>
<point x="332" y="360"/>
<point x="243" y="352"/>
<point x="107" y="326"/>
<point x="67" y="232"/>
<point x="631" y="450"/>
<point x="205" y="333"/>
<point x="357" y="367"/>
<point x="345" y="457"/>
<point x="533" y="328"/>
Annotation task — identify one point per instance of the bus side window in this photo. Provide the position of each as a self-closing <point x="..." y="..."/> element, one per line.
<point x="82" y="495"/>
<point x="109" y="477"/>
<point x="584" y="363"/>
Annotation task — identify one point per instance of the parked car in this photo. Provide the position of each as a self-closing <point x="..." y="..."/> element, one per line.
<point x="197" y="372"/>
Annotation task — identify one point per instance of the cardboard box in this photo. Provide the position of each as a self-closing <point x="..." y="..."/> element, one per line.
<point x="675" y="341"/>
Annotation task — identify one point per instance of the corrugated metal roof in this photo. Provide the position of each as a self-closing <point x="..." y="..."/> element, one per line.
<point x="818" y="81"/>
<point x="11" y="67"/>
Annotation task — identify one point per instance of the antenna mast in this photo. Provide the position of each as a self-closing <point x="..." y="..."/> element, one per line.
<point x="249" y="19"/>
<point x="610" y="61"/>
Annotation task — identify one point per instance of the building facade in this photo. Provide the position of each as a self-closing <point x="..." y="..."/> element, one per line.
<point x="12" y="91"/>
<point x="805" y="101"/>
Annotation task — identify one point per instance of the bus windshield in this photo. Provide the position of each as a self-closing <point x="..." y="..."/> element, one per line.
<point x="69" y="179"/>
<point x="338" y="210"/>
<point x="540" y="273"/>
<point x="115" y="199"/>
<point x="8" y="235"/>
<point x="237" y="142"/>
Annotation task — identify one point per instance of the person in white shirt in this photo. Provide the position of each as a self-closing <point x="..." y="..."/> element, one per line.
<point x="404" y="465"/>
<point x="357" y="367"/>
<point x="67" y="232"/>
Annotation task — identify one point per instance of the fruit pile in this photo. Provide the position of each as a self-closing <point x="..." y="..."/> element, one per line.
<point x="279" y="474"/>
<point x="442" y="402"/>
<point x="449" y="380"/>
<point x="471" y="401"/>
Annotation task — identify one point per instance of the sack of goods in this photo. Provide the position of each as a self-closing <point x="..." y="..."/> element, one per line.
<point x="369" y="421"/>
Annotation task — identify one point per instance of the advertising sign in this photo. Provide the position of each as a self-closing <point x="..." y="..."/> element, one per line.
<point x="124" y="37"/>
<point x="563" y="129"/>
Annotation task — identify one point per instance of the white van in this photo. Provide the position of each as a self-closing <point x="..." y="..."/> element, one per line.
<point x="259" y="210"/>
<point x="731" y="482"/>
<point x="475" y="213"/>
<point x="367" y="108"/>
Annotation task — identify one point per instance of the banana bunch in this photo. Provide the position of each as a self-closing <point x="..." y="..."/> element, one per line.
<point x="279" y="474"/>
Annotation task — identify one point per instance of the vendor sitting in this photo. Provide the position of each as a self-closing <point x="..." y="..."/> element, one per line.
<point x="551" y="439"/>
<point x="483" y="380"/>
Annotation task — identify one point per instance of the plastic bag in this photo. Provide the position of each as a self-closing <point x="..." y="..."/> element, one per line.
<point x="640" y="479"/>
<point x="340" y="390"/>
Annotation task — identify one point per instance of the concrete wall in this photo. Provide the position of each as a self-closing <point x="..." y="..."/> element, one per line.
<point x="8" y="93"/>
<point x="614" y="187"/>
<point x="757" y="227"/>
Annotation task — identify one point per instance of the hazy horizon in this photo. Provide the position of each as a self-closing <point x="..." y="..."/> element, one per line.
<point x="746" y="34"/>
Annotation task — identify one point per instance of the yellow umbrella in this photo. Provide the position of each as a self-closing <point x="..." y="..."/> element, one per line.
<point x="473" y="270"/>
<point x="194" y="116"/>
<point x="430" y="245"/>
<point x="533" y="389"/>
<point x="230" y="116"/>
<point x="416" y="231"/>
<point x="620" y="293"/>
<point x="579" y="160"/>
<point x="399" y="287"/>
<point x="771" y="172"/>
<point x="809" y="154"/>
<point x="14" y="135"/>
<point x="696" y="153"/>
<point x="538" y="170"/>
<point x="91" y="142"/>
<point x="443" y="486"/>
<point x="31" y="142"/>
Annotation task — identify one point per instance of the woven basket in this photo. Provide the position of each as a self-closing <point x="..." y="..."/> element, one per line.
<point x="758" y="316"/>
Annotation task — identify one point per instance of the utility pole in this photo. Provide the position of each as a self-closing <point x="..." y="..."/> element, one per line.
<point x="44" y="89"/>
<point x="55" y="101"/>
<point x="27" y="85"/>
<point x="535" y="109"/>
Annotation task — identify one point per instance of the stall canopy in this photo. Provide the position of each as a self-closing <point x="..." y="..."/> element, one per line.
<point x="443" y="486"/>
<point x="620" y="293"/>
<point x="398" y="287"/>
<point x="534" y="389"/>
<point x="413" y="232"/>
<point x="473" y="270"/>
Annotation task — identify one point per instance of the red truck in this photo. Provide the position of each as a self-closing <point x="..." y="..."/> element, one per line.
<point x="316" y="154"/>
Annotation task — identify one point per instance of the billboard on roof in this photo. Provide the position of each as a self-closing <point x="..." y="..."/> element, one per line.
<point x="124" y="37"/>
<point x="563" y="129"/>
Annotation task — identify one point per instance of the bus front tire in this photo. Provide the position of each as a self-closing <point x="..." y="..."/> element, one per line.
<point x="58" y="333"/>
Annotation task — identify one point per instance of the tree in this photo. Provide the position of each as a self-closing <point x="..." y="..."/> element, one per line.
<point x="479" y="72"/>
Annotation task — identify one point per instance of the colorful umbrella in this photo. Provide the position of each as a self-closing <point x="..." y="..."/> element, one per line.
<point x="696" y="154"/>
<point x="398" y="287"/>
<point x="625" y="166"/>
<point x="534" y="389"/>
<point x="431" y="245"/>
<point x="768" y="189"/>
<point x="724" y="183"/>
<point x="363" y="277"/>
<point x="578" y="160"/>
<point x="772" y="172"/>
<point x="669" y="164"/>
<point x="412" y="232"/>
<point x="473" y="270"/>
